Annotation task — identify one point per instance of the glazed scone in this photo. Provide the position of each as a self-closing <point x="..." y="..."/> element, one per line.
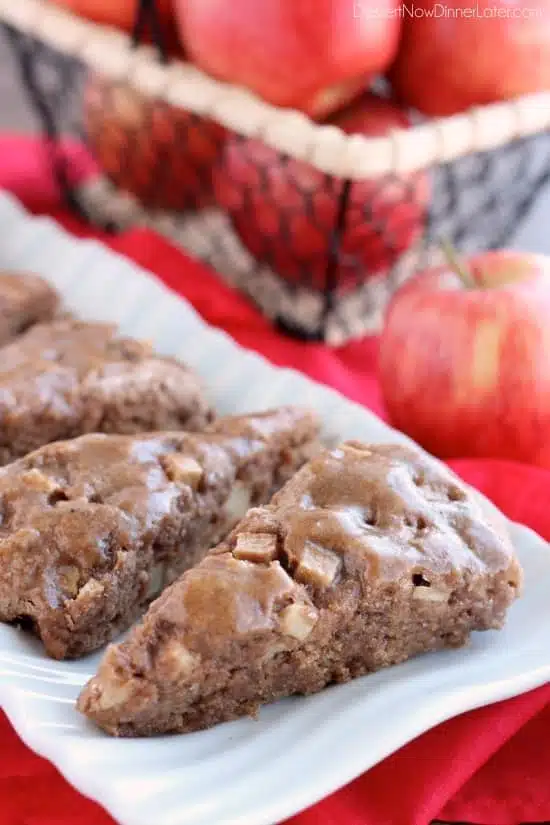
<point x="92" y="529"/>
<point x="368" y="556"/>
<point x="24" y="300"/>
<point x="69" y="377"/>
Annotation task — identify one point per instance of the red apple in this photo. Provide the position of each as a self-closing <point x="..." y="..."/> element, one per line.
<point x="453" y="56"/>
<point x="313" y="56"/>
<point x="121" y="14"/>
<point x="159" y="153"/>
<point x="465" y="370"/>
<point x="284" y="210"/>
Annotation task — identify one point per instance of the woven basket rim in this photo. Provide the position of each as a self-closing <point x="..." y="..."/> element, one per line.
<point x="332" y="151"/>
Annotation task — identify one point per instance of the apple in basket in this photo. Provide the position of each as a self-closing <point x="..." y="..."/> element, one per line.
<point x="160" y="154"/>
<point x="464" y="358"/>
<point x="285" y="210"/>
<point x="455" y="55"/>
<point x="118" y="13"/>
<point x="312" y="56"/>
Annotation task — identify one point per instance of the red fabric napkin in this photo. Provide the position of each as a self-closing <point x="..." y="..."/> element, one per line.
<point x="489" y="767"/>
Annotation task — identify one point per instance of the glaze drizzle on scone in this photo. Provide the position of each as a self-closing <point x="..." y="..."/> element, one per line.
<point x="68" y="377"/>
<point x="92" y="529"/>
<point x="368" y="556"/>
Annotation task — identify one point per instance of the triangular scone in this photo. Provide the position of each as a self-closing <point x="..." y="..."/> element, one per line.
<point x="368" y="556"/>
<point x="24" y="300"/>
<point x="92" y="529"/>
<point x="68" y="377"/>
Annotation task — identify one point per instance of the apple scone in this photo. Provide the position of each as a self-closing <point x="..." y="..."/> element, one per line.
<point x="94" y="528"/>
<point x="24" y="300"/>
<point x="68" y="377"/>
<point x="368" y="556"/>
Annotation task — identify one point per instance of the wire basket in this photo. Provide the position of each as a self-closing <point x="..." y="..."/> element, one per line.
<point x="318" y="227"/>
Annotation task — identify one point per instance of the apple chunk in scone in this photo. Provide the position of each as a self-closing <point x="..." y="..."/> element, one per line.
<point x="94" y="528"/>
<point x="368" y="556"/>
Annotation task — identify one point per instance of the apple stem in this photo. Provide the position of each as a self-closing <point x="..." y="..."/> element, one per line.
<point x="458" y="266"/>
<point x="479" y="276"/>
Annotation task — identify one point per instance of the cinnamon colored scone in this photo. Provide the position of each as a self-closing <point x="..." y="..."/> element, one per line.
<point x="24" y="300"/>
<point x="69" y="377"/>
<point x="92" y="529"/>
<point x="368" y="556"/>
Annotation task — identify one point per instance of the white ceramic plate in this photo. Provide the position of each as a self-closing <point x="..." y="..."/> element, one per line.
<point x="247" y="772"/>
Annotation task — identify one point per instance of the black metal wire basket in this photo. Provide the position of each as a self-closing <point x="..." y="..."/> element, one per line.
<point x="319" y="249"/>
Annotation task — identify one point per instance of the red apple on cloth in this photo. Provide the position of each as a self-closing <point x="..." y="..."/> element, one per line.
<point x="285" y="210"/>
<point x="159" y="153"/>
<point x="455" y="55"/>
<point x="465" y="370"/>
<point x="312" y="56"/>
